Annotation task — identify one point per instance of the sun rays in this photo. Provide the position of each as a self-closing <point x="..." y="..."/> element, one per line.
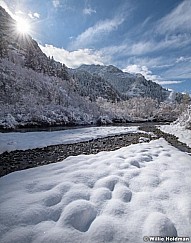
<point x="23" y="26"/>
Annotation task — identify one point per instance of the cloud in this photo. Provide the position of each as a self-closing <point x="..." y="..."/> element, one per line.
<point x="19" y="12"/>
<point x="148" y="74"/>
<point x="56" y="3"/>
<point x="169" y="42"/>
<point x="169" y="82"/>
<point x="142" y="48"/>
<point x="96" y="32"/>
<point x="181" y="70"/>
<point x="141" y="69"/>
<point x="146" y="21"/>
<point x="34" y="15"/>
<point x="178" y="19"/>
<point x="183" y="59"/>
<point x="88" y="11"/>
<point x="115" y="50"/>
<point x="147" y="47"/>
<point x="73" y="59"/>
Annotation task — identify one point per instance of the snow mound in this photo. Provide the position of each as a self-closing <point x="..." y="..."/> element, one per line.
<point x="119" y="196"/>
<point x="79" y="214"/>
<point x="158" y="224"/>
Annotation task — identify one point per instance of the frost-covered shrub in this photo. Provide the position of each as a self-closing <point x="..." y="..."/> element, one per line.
<point x="104" y="120"/>
<point x="130" y="110"/>
<point x="8" y="122"/>
<point x="185" y="118"/>
<point x="169" y="111"/>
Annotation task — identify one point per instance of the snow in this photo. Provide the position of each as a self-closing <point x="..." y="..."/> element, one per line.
<point x="118" y="196"/>
<point x="30" y="140"/>
<point x="183" y="134"/>
<point x="181" y="128"/>
<point x="156" y="219"/>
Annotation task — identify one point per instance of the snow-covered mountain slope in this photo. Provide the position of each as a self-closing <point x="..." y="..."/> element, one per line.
<point x="128" y="84"/>
<point x="95" y="86"/>
<point x="37" y="90"/>
<point x="24" y="50"/>
<point x="31" y="98"/>
<point x="93" y="81"/>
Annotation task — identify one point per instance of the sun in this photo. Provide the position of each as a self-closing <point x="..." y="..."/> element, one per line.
<point x="22" y="26"/>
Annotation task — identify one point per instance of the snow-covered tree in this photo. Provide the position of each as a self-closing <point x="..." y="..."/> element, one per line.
<point x="185" y="118"/>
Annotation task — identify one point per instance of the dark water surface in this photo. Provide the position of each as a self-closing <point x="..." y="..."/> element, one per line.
<point x="59" y="128"/>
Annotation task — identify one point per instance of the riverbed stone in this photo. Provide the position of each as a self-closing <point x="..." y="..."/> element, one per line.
<point x="19" y="159"/>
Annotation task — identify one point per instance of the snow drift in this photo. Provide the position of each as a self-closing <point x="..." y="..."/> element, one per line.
<point x="117" y="196"/>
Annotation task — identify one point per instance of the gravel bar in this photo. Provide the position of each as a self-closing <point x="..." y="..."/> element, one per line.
<point x="25" y="159"/>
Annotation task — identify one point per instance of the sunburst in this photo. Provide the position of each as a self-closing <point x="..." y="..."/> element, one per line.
<point x="22" y="26"/>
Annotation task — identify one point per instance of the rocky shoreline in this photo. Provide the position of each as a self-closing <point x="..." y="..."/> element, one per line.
<point x="20" y="160"/>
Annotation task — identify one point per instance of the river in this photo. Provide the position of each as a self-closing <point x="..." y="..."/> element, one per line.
<point x="60" y="128"/>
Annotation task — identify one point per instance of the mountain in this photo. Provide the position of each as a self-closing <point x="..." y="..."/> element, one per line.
<point x="92" y="81"/>
<point x="94" y="86"/>
<point x="23" y="50"/>
<point x="127" y="84"/>
<point x="36" y="90"/>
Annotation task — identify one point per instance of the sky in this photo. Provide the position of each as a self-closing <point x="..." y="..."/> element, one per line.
<point x="151" y="37"/>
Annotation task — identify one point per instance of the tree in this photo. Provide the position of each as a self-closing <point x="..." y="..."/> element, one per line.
<point x="3" y="47"/>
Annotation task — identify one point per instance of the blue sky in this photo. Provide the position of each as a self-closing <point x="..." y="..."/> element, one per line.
<point x="152" y="37"/>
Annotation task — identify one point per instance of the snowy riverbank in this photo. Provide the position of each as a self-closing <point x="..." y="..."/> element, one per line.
<point x="119" y="196"/>
<point x="30" y="140"/>
<point x="183" y="134"/>
<point x="24" y="159"/>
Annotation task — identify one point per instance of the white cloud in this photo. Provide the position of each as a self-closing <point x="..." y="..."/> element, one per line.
<point x="146" y="21"/>
<point x="96" y="32"/>
<point x="170" y="42"/>
<point x="181" y="70"/>
<point x="162" y="66"/>
<point x="178" y="19"/>
<point x="19" y="12"/>
<point x="142" y="48"/>
<point x="73" y="59"/>
<point x="183" y="59"/>
<point x="115" y="49"/>
<point x="56" y="3"/>
<point x="141" y="69"/>
<point x="170" y="82"/>
<point x="148" y="74"/>
<point x="34" y="15"/>
<point x="88" y="11"/>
